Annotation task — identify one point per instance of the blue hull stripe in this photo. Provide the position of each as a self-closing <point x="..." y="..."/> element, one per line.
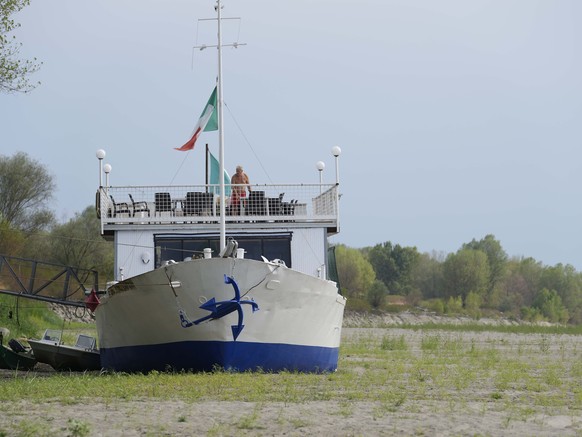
<point x="199" y="356"/>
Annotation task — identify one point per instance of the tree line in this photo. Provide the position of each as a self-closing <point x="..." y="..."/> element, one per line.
<point x="479" y="278"/>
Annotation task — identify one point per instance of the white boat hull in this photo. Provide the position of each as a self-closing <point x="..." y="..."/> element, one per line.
<point x="297" y="326"/>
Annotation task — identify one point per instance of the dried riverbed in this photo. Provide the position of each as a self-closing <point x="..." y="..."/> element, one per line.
<point x="391" y="381"/>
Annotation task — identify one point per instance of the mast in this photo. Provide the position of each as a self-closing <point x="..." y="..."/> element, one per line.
<point x="221" y="134"/>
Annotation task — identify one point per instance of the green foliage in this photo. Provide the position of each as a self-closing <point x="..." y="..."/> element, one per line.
<point x="78" y="243"/>
<point x="437" y="305"/>
<point x="377" y="294"/>
<point x="473" y="304"/>
<point x="426" y="276"/>
<point x="454" y="305"/>
<point x="26" y="317"/>
<point x="550" y="306"/>
<point x="393" y="265"/>
<point x="26" y="187"/>
<point x="14" y="72"/>
<point x="466" y="271"/>
<point x="11" y="239"/>
<point x="393" y="343"/>
<point x="531" y="314"/>
<point x="78" y="428"/>
<point x="355" y="272"/>
<point x="358" y="304"/>
<point x="496" y="257"/>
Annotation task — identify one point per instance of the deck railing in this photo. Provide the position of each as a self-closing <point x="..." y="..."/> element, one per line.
<point x="186" y="204"/>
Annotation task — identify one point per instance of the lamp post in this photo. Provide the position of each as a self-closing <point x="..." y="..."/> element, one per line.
<point x="107" y="170"/>
<point x="100" y="156"/>
<point x="320" y="165"/>
<point x="336" y="151"/>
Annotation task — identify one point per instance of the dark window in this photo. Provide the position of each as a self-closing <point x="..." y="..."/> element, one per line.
<point x="177" y="247"/>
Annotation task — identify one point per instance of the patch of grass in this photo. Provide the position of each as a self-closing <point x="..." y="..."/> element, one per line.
<point x="431" y="342"/>
<point x="77" y="428"/>
<point x="391" y="343"/>
<point x="250" y="421"/>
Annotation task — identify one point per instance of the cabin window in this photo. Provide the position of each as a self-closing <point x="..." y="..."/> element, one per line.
<point x="179" y="247"/>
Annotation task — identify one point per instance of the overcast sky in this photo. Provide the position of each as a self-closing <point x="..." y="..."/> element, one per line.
<point x="456" y="118"/>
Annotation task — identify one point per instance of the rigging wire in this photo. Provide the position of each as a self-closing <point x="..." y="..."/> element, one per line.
<point x="248" y="142"/>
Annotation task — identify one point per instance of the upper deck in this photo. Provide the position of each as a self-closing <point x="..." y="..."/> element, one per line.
<point x="198" y="206"/>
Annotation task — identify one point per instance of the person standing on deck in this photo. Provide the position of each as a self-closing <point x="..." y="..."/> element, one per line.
<point x="240" y="183"/>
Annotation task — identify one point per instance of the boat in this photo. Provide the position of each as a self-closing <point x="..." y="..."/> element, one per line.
<point x="50" y="350"/>
<point x="199" y="286"/>
<point x="17" y="356"/>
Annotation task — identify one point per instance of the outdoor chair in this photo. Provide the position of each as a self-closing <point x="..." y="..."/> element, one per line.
<point x="163" y="203"/>
<point x="119" y="208"/>
<point x="139" y="206"/>
<point x="257" y="203"/>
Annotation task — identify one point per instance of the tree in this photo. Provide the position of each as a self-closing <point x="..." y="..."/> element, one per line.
<point x="427" y="275"/>
<point x="550" y="305"/>
<point x="26" y="187"/>
<point x="393" y="265"/>
<point x="567" y="282"/>
<point x="377" y="293"/>
<point x="11" y="240"/>
<point x="355" y="272"/>
<point x="14" y="72"/>
<point x="496" y="256"/>
<point x="466" y="271"/>
<point x="78" y="243"/>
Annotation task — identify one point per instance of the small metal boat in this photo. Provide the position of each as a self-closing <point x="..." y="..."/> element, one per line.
<point x="17" y="356"/>
<point x="50" y="350"/>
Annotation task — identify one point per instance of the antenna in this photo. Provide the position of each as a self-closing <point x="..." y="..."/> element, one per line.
<point x="220" y="106"/>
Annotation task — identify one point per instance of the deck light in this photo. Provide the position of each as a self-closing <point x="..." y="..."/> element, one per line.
<point x="336" y="151"/>
<point x="107" y="170"/>
<point x="100" y="154"/>
<point x="320" y="165"/>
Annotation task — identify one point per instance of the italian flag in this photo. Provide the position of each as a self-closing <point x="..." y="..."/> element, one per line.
<point x="208" y="121"/>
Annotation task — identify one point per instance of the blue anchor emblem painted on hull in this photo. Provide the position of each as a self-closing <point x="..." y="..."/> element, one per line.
<point x="220" y="309"/>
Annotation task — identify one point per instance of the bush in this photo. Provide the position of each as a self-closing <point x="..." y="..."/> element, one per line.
<point x="377" y="293"/>
<point x="437" y="305"/>
<point x="454" y="305"/>
<point x="473" y="304"/>
<point x="357" y="304"/>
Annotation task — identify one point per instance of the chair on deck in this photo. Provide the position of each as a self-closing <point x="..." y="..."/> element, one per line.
<point x="257" y="203"/>
<point x="288" y="208"/>
<point x="275" y="204"/>
<point x="119" y="208"/>
<point x="139" y="206"/>
<point x="189" y="205"/>
<point x="207" y="203"/>
<point x="163" y="203"/>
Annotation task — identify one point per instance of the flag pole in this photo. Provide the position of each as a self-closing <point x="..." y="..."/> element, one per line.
<point x="206" y="168"/>
<point x="221" y="134"/>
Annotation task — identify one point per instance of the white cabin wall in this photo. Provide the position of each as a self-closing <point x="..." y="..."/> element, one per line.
<point x="132" y="252"/>
<point x="309" y="251"/>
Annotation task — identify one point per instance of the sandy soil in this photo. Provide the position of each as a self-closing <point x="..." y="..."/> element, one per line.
<point x="425" y="417"/>
<point x="174" y="418"/>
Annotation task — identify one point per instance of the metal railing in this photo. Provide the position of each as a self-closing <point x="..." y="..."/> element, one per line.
<point x="201" y="204"/>
<point x="46" y="281"/>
